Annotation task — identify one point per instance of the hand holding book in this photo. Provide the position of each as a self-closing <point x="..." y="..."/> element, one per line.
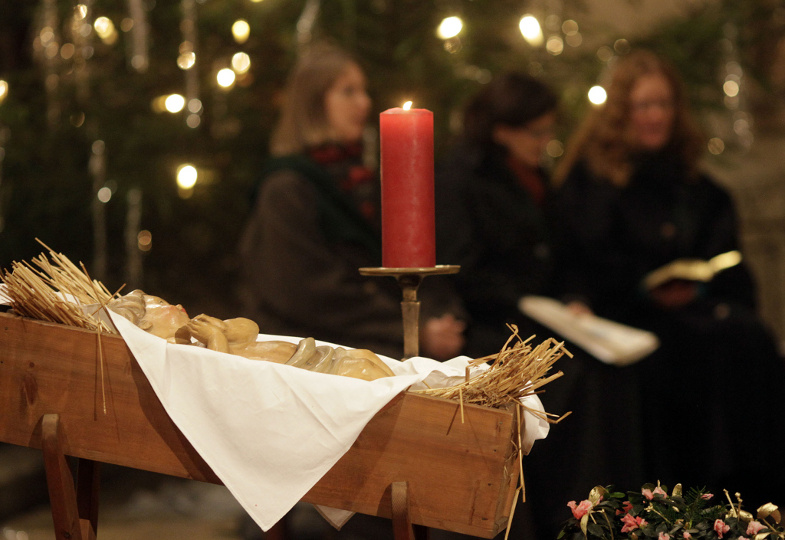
<point x="697" y="270"/>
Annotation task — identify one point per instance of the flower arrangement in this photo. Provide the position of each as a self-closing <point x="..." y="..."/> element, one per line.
<point x="653" y="514"/>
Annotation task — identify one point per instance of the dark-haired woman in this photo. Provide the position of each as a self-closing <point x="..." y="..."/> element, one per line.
<point x="492" y="196"/>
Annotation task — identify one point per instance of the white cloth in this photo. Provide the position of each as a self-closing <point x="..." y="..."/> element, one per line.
<point x="271" y="431"/>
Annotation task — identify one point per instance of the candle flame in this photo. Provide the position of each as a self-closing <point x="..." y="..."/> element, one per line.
<point x="407" y="105"/>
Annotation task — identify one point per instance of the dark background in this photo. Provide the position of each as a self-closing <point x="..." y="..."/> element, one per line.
<point x="57" y="108"/>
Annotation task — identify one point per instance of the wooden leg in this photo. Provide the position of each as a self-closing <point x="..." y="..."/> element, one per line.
<point x="74" y="514"/>
<point x="88" y="486"/>
<point x="402" y="522"/>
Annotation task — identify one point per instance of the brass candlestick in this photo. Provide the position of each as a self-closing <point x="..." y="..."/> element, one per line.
<point x="409" y="280"/>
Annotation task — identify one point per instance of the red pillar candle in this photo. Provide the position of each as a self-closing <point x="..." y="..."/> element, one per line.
<point x="408" y="230"/>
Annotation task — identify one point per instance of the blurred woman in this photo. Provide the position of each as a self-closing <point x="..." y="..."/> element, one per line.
<point x="492" y="195"/>
<point x="314" y="222"/>
<point x="632" y="199"/>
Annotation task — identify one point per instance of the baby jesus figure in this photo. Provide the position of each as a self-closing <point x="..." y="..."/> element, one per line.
<point x="239" y="336"/>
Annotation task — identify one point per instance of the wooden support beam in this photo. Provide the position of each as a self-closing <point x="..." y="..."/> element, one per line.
<point x="75" y="513"/>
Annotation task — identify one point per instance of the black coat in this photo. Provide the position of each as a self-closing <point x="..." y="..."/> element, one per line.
<point x="611" y="237"/>
<point x="489" y="224"/>
<point x="705" y="408"/>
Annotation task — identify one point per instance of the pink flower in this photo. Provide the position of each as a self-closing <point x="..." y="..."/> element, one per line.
<point x="720" y="528"/>
<point x="754" y="527"/>
<point x="632" y="523"/>
<point x="664" y="536"/>
<point x="580" y="510"/>
<point x="649" y="494"/>
<point x="707" y="496"/>
<point x="625" y="508"/>
<point x="687" y="535"/>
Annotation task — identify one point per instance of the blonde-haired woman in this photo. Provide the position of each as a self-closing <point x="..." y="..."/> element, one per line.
<point x="632" y="198"/>
<point x="314" y="222"/>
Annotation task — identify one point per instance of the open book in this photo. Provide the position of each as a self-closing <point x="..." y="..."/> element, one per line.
<point x="610" y="342"/>
<point x="691" y="269"/>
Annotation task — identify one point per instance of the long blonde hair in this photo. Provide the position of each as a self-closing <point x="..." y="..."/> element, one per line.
<point x="303" y="120"/>
<point x="604" y="142"/>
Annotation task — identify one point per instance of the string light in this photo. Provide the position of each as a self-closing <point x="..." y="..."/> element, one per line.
<point x="449" y="27"/>
<point x="225" y="78"/>
<point x="531" y="30"/>
<point x="241" y="30"/>
<point x="597" y="95"/>
<point x="174" y="103"/>
<point x="241" y="63"/>
<point x="105" y="29"/>
<point x="187" y="176"/>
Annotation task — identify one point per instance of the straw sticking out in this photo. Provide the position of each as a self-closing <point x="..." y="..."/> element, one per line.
<point x="55" y="291"/>
<point x="519" y="370"/>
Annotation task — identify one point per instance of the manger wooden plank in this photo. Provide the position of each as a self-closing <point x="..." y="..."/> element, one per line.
<point x="51" y="368"/>
<point x="461" y="473"/>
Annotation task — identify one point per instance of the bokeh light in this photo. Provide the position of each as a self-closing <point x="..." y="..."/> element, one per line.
<point x="531" y="30"/>
<point x="174" y="103"/>
<point x="716" y="146"/>
<point x="605" y="53"/>
<point x="186" y="60"/>
<point x="105" y="29"/>
<point x="186" y="176"/>
<point x="597" y="95"/>
<point x="569" y="27"/>
<point x="449" y="27"/>
<point x="554" y="45"/>
<point x="144" y="240"/>
<point x="104" y="194"/>
<point x="554" y="148"/>
<point x="731" y="88"/>
<point x="225" y="78"/>
<point x="241" y="63"/>
<point x="241" y="30"/>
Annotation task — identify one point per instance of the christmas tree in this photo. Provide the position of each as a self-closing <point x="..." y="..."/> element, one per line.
<point x="90" y="146"/>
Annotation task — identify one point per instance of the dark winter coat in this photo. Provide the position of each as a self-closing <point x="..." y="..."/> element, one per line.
<point x="489" y="224"/>
<point x="304" y="241"/>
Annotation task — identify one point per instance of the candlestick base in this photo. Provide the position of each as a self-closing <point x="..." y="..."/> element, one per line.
<point x="409" y="280"/>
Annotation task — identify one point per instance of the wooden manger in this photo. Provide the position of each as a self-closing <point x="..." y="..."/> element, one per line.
<point x="420" y="461"/>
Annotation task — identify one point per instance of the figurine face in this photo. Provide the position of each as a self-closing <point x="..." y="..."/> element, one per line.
<point x="651" y="112"/>
<point x="347" y="105"/>
<point x="164" y="318"/>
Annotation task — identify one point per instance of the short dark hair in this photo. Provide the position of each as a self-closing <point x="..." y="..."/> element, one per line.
<point x="511" y="99"/>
